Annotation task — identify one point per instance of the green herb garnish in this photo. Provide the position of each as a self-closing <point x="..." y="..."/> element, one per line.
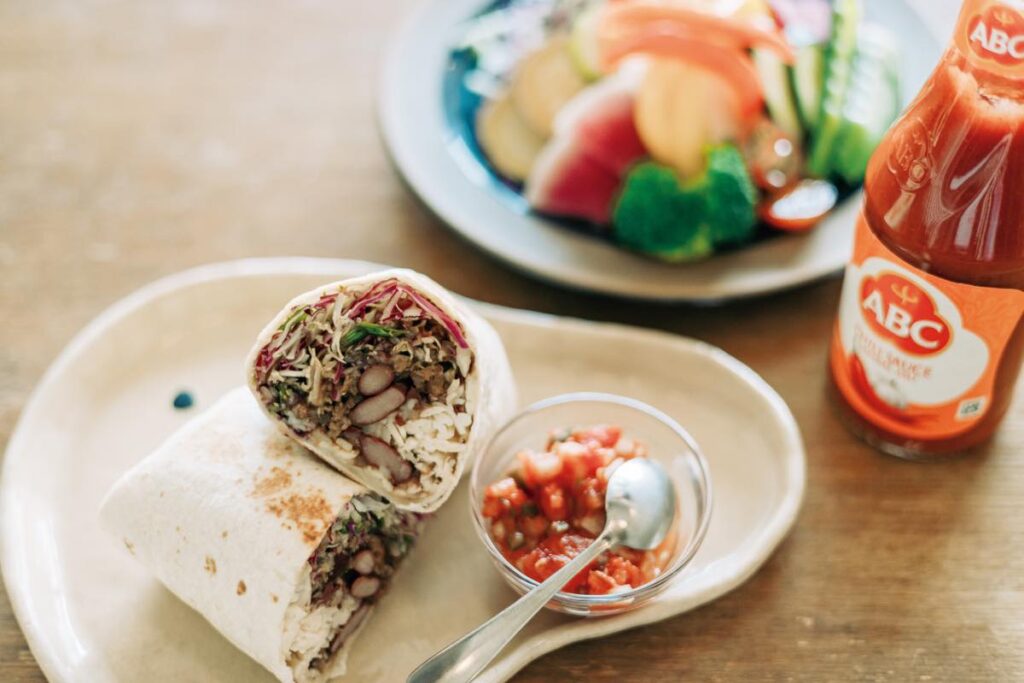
<point x="363" y="330"/>
<point x="298" y="316"/>
<point x="284" y="395"/>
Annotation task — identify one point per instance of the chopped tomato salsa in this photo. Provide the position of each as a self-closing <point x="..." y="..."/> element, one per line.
<point x="551" y="507"/>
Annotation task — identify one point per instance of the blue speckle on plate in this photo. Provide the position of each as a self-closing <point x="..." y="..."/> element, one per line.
<point x="183" y="400"/>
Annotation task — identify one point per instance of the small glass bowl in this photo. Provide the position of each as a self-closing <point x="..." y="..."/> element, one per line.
<point x="667" y="442"/>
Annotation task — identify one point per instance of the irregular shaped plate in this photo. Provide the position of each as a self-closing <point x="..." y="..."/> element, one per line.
<point x="436" y="155"/>
<point x="91" y="613"/>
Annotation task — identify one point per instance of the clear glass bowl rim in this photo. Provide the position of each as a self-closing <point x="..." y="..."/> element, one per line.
<point x="702" y="484"/>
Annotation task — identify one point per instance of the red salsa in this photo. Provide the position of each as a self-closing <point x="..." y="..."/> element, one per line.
<point x="551" y="507"/>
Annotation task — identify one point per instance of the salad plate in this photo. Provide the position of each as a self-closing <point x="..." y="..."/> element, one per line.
<point x="423" y="119"/>
<point x="91" y="613"/>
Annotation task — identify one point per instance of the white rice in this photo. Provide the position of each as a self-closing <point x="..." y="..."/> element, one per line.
<point x="431" y="438"/>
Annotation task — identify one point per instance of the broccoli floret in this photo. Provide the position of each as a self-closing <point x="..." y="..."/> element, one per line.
<point x="660" y="215"/>
<point x="729" y="195"/>
<point x="654" y="215"/>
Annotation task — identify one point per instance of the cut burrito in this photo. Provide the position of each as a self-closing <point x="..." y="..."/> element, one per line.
<point x="388" y="378"/>
<point x="283" y="555"/>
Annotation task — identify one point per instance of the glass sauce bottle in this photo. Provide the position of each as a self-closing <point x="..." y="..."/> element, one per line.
<point x="927" y="344"/>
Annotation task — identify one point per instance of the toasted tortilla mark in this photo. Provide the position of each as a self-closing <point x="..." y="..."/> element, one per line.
<point x="131" y="546"/>
<point x="224" y="534"/>
<point x="278" y="480"/>
<point x="312" y="515"/>
<point x="210" y="565"/>
<point x="279" y="449"/>
<point x="273" y="597"/>
<point x="240" y="590"/>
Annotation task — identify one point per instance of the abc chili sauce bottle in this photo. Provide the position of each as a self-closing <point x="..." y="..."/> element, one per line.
<point x="927" y="344"/>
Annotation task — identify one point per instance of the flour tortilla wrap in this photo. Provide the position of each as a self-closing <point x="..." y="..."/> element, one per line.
<point x="387" y="377"/>
<point x="274" y="548"/>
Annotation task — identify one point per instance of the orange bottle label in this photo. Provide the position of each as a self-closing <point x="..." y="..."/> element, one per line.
<point x="913" y="353"/>
<point x="991" y="34"/>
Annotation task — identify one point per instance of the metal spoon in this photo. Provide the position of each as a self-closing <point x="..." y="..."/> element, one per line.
<point x="640" y="506"/>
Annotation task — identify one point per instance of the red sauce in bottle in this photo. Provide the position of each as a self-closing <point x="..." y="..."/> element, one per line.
<point x="929" y="338"/>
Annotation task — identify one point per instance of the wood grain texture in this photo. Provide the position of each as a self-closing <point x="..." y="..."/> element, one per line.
<point x="141" y="138"/>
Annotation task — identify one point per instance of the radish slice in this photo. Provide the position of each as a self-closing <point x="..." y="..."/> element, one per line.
<point x="377" y="407"/>
<point x="375" y="379"/>
<point x="385" y="457"/>
<point x="439" y="316"/>
<point x="801" y="207"/>
<point x="375" y="293"/>
<point x="382" y="289"/>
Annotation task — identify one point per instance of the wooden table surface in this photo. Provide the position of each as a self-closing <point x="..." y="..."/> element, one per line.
<point x="141" y="138"/>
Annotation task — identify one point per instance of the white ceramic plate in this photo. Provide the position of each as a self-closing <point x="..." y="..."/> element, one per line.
<point x="91" y="613"/>
<point x="436" y="161"/>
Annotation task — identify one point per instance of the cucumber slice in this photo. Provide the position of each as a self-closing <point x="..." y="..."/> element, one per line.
<point x="808" y="75"/>
<point x="838" y="66"/>
<point x="872" y="102"/>
<point x="583" y="41"/>
<point x="543" y="82"/>
<point x="505" y="139"/>
<point x="778" y="94"/>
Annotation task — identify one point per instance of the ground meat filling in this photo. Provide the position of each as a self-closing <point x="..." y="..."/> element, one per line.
<point x="357" y="558"/>
<point x="358" y="371"/>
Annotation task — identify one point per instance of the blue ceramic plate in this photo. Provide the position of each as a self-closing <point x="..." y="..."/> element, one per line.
<point x="425" y="117"/>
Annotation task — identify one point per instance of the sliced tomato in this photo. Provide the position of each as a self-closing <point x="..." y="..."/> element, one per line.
<point x="553" y="502"/>
<point x="772" y="156"/>
<point x="493" y="508"/>
<point x="501" y="529"/>
<point x="505" y="491"/>
<point x="539" y="468"/>
<point x="591" y="495"/>
<point x="599" y="583"/>
<point x="553" y="554"/>
<point x="578" y="462"/>
<point x="622" y="571"/>
<point x="527" y="562"/>
<point x="800" y="207"/>
<point x="606" y="436"/>
<point x="534" y="526"/>
<point x="570" y="543"/>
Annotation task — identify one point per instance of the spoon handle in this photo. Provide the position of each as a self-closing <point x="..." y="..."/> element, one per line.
<point x="466" y="657"/>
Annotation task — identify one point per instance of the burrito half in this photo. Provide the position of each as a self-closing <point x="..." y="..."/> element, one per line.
<point x="283" y="555"/>
<point x="387" y="377"/>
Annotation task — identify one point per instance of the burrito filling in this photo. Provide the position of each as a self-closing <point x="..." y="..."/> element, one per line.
<point x="381" y="374"/>
<point x="347" y="574"/>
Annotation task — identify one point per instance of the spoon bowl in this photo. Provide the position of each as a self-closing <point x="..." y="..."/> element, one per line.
<point x="641" y="501"/>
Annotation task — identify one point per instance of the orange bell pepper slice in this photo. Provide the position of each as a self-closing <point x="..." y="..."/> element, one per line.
<point x="643" y="15"/>
<point x="730" y="64"/>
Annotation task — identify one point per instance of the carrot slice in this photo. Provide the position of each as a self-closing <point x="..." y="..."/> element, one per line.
<point x="631" y="17"/>
<point x="730" y="64"/>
